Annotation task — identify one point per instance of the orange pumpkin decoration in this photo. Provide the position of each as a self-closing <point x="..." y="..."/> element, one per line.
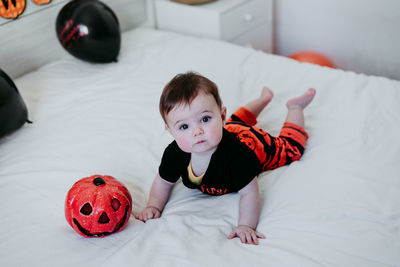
<point x="11" y="9"/>
<point x="41" y="2"/>
<point x="98" y="206"/>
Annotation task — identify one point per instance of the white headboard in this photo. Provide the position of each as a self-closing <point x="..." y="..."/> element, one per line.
<point x="30" y="41"/>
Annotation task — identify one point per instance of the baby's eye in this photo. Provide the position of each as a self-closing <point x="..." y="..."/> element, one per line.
<point x="205" y="119"/>
<point x="183" y="127"/>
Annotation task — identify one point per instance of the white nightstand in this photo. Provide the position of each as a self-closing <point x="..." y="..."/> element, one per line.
<point x="244" y="22"/>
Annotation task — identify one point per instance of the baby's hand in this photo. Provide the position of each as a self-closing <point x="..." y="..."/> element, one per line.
<point x="148" y="214"/>
<point x="246" y="234"/>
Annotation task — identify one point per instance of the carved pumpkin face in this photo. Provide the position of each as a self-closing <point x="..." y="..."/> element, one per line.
<point x="98" y="206"/>
<point x="11" y="9"/>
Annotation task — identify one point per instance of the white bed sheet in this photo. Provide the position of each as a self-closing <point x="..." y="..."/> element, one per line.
<point x="338" y="206"/>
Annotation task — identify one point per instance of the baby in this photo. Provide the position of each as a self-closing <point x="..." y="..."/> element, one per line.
<point x="217" y="157"/>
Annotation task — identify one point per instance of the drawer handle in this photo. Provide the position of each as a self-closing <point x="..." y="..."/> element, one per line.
<point x="248" y="17"/>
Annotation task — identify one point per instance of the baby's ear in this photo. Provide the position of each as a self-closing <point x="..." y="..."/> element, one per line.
<point x="168" y="129"/>
<point x="223" y="113"/>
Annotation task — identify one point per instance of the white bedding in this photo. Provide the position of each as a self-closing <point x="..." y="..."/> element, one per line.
<point x="338" y="206"/>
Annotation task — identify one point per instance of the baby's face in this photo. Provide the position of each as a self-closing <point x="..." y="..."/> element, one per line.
<point x="197" y="127"/>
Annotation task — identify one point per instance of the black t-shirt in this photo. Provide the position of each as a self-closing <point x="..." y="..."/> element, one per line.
<point x="232" y="166"/>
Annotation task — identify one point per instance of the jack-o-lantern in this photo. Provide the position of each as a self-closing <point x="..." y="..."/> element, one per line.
<point x="98" y="206"/>
<point x="11" y="9"/>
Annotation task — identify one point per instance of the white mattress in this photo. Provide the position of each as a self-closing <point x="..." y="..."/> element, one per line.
<point x="338" y="206"/>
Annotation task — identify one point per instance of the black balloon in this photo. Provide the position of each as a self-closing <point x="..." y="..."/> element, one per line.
<point x="13" y="112"/>
<point x="89" y="30"/>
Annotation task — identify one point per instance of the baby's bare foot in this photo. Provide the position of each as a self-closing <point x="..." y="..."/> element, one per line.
<point x="258" y="104"/>
<point x="266" y="95"/>
<point x="302" y="101"/>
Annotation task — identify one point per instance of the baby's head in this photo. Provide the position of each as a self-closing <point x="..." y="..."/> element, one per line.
<point x="183" y="88"/>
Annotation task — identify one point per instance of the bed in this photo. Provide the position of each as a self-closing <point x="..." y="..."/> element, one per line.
<point x="338" y="206"/>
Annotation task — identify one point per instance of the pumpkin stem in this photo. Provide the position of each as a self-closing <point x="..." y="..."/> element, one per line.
<point x="98" y="181"/>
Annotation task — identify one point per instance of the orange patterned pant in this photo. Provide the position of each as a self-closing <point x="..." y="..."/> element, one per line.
<point x="272" y="152"/>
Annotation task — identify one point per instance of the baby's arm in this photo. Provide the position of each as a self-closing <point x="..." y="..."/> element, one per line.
<point x="249" y="213"/>
<point x="159" y="195"/>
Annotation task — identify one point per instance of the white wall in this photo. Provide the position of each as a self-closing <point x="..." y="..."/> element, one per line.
<point x="358" y="35"/>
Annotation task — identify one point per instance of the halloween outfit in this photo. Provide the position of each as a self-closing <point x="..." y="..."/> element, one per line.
<point x="244" y="152"/>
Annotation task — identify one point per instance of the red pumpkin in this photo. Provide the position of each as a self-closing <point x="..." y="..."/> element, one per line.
<point x="98" y="206"/>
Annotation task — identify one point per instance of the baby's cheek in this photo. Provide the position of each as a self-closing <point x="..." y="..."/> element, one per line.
<point x="215" y="135"/>
<point x="183" y="144"/>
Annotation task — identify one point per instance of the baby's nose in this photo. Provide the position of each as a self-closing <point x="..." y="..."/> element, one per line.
<point x="197" y="131"/>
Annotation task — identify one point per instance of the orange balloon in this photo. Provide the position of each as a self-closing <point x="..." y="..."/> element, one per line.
<point x="313" y="58"/>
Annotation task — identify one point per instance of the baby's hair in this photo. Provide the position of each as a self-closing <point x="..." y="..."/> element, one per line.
<point x="183" y="88"/>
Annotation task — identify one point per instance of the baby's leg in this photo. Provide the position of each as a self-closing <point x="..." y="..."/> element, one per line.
<point x="257" y="105"/>
<point x="296" y="105"/>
